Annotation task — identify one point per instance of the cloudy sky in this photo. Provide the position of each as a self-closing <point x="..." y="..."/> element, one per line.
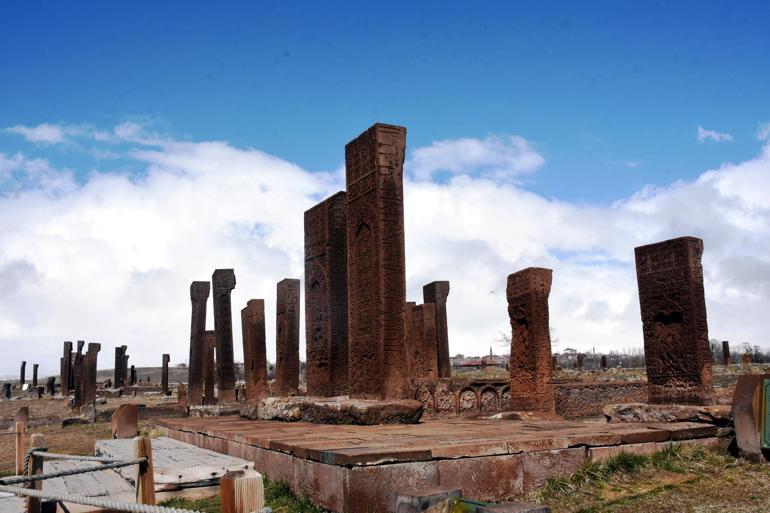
<point x="139" y="153"/>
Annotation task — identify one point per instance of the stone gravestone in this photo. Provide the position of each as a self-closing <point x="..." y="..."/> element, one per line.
<point x="673" y="307"/>
<point x="287" y="338"/>
<point x="164" y="375"/>
<point x="89" y="374"/>
<point x="210" y="367"/>
<point x="132" y="380"/>
<point x="326" y="297"/>
<point x="125" y="421"/>
<point x="746" y="359"/>
<point x="39" y="391"/>
<point x="22" y="374"/>
<point x="50" y="386"/>
<point x="421" y="340"/>
<point x="66" y="369"/>
<point x="181" y="396"/>
<point x="725" y="353"/>
<point x="34" y="375"/>
<point x="199" y="295"/>
<point x="604" y="361"/>
<point x="376" y="263"/>
<point x="437" y="292"/>
<point x="531" y="386"/>
<point x="6" y="390"/>
<point x="223" y="282"/>
<point x="254" y="349"/>
<point x="580" y="361"/>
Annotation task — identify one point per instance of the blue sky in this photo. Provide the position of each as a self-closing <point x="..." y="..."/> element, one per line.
<point x="144" y="144"/>
<point x="610" y="93"/>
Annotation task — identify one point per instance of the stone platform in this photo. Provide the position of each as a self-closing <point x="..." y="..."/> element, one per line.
<point x="357" y="469"/>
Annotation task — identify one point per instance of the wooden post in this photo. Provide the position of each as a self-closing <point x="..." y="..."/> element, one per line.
<point x="145" y="478"/>
<point x="20" y="451"/>
<point x="35" y="467"/>
<point x="242" y="491"/>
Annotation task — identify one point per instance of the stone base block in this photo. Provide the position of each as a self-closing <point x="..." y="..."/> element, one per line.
<point x="719" y="415"/>
<point x="334" y="410"/>
<point x="213" y="410"/>
<point x="416" y="501"/>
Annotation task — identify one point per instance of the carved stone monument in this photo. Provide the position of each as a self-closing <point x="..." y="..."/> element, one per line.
<point x="421" y="340"/>
<point x="673" y="307"/>
<point x="199" y="294"/>
<point x="223" y="282"/>
<point x="66" y="369"/>
<point x="326" y="297"/>
<point x="34" y="375"/>
<point x="725" y="353"/>
<point x="22" y="374"/>
<point x="437" y="292"/>
<point x="50" y="386"/>
<point x="531" y="386"/>
<point x="164" y="375"/>
<point x="376" y="263"/>
<point x="287" y="312"/>
<point x="254" y="349"/>
<point x="209" y="367"/>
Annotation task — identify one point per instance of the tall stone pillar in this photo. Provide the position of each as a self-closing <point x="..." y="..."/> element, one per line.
<point x="223" y="282"/>
<point x="209" y="367"/>
<point x="164" y="375"/>
<point x="199" y="295"/>
<point x="421" y="341"/>
<point x="66" y="369"/>
<point x="34" y="375"/>
<point x="531" y="385"/>
<point x="604" y="361"/>
<point x="124" y="371"/>
<point x="376" y="263"/>
<point x="23" y="374"/>
<point x="254" y="349"/>
<point x="119" y="375"/>
<point x="89" y="366"/>
<point x="50" y="386"/>
<point x="725" y="353"/>
<point x="437" y="292"/>
<point x="287" y="338"/>
<point x="326" y="297"/>
<point x="673" y="307"/>
<point x="132" y="380"/>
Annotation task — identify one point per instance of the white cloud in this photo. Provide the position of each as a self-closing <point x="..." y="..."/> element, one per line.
<point x="631" y="164"/>
<point x="43" y="133"/>
<point x="499" y="157"/>
<point x="763" y="134"/>
<point x="704" y="135"/>
<point x="111" y="260"/>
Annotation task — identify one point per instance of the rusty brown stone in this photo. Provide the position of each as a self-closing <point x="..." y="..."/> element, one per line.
<point x="181" y="396"/>
<point x="223" y="282"/>
<point x="437" y="292"/>
<point x="421" y="341"/>
<point x="199" y="295"/>
<point x="125" y="421"/>
<point x="746" y="359"/>
<point x="88" y="365"/>
<point x="725" y="353"/>
<point x="326" y="297"/>
<point x="164" y="375"/>
<point x="673" y="307"/>
<point x="254" y="349"/>
<point x="376" y="263"/>
<point x="209" y="367"/>
<point x="287" y="338"/>
<point x="531" y="388"/>
<point x="747" y="412"/>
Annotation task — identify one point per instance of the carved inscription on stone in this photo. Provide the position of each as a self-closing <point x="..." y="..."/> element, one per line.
<point x="223" y="282"/>
<point x="326" y="297"/>
<point x="421" y="341"/>
<point x="376" y="277"/>
<point x="673" y="309"/>
<point x="254" y="349"/>
<point x="199" y="295"/>
<point x="287" y="338"/>
<point x="531" y="388"/>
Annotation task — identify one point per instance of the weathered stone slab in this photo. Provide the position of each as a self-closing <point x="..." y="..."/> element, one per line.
<point x="223" y="282"/>
<point x="287" y="338"/>
<point x="436" y="293"/>
<point x="673" y="307"/>
<point x="485" y="478"/>
<point x="719" y="415"/>
<point x="421" y="341"/>
<point x="338" y="410"/>
<point x="125" y="421"/>
<point x="530" y="378"/>
<point x="254" y="349"/>
<point x="376" y="263"/>
<point x="326" y="297"/>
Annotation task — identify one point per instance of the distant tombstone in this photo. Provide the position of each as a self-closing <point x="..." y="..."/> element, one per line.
<point x="181" y="395"/>
<point x="223" y="282"/>
<point x="22" y="372"/>
<point x="746" y="359"/>
<point x="604" y="361"/>
<point x="725" y="353"/>
<point x="50" y="385"/>
<point x="580" y="361"/>
<point x="199" y="294"/>
<point x="40" y="391"/>
<point x="133" y="376"/>
<point x="34" y="375"/>
<point x="125" y="421"/>
<point x="287" y="338"/>
<point x="164" y="375"/>
<point x="6" y="390"/>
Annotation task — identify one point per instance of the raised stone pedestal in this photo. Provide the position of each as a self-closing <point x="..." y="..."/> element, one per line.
<point x="335" y="410"/>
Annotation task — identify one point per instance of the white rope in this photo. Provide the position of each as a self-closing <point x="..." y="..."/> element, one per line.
<point x="57" y="456"/>
<point x="107" y="504"/>
<point x="70" y="472"/>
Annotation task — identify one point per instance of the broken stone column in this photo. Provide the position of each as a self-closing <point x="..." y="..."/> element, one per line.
<point x="223" y="282"/>
<point x="66" y="368"/>
<point x="132" y="380"/>
<point x="199" y="295"/>
<point x="164" y="375"/>
<point x="89" y="373"/>
<point x="376" y="263"/>
<point x="673" y="309"/>
<point x="421" y="340"/>
<point x="22" y="374"/>
<point x="254" y="349"/>
<point x="34" y="375"/>
<point x="287" y="338"/>
<point x="119" y="375"/>
<point x="531" y="386"/>
<point x="50" y="386"/>
<point x="124" y="371"/>
<point x="209" y="367"/>
<point x="326" y="297"/>
<point x="725" y="353"/>
<point x="437" y="292"/>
